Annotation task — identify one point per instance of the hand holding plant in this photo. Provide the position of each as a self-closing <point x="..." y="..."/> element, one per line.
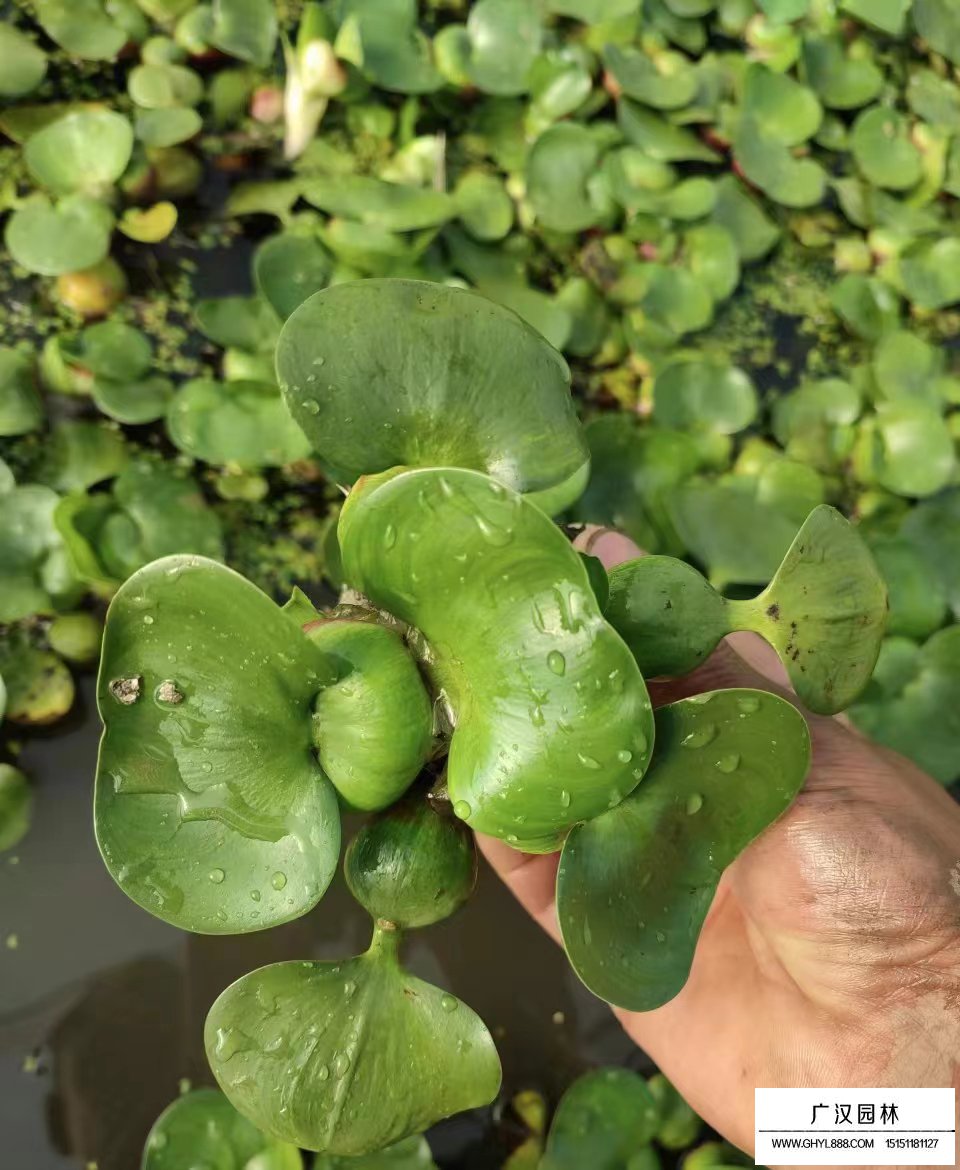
<point x="830" y="955"/>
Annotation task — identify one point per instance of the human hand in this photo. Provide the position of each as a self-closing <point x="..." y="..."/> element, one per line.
<point x="831" y="953"/>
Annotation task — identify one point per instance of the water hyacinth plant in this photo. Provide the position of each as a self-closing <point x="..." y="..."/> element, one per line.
<point x="479" y="674"/>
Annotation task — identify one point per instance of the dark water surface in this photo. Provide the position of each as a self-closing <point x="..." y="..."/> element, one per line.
<point x="102" y="1005"/>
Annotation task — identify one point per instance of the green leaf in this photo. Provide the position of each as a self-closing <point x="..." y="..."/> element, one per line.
<point x="371" y="398"/>
<point x="21" y="410"/>
<point x="28" y="542"/>
<point x="603" y="1118"/>
<point x="394" y="206"/>
<point x="79" y="454"/>
<point x="678" y="1126"/>
<point x="86" y="150"/>
<point x="165" y="86"/>
<point x="784" y="11"/>
<point x="483" y="205"/>
<point x="167" y="127"/>
<point x="842" y="75"/>
<point x="883" y="150"/>
<point x="560" y="164"/>
<point x="82" y="27"/>
<point x="393" y="52"/>
<point x="52" y="239"/>
<point x="938" y="22"/>
<point x="288" y="268"/>
<point x="134" y="403"/>
<point x="373" y="726"/>
<point x="211" y="810"/>
<point x="769" y="164"/>
<point x="40" y="689"/>
<point x="935" y="99"/>
<point x="203" y="1127"/>
<point x="754" y="233"/>
<point x="906" y="367"/>
<point x="888" y="16"/>
<point x="659" y="138"/>
<point x="16" y="806"/>
<point x="242" y="423"/>
<point x="76" y="637"/>
<point x="666" y="80"/>
<point x="918" y="599"/>
<point x="933" y="527"/>
<point x="238" y="322"/>
<point x="824" y="612"/>
<point x="351" y="1079"/>
<point x="712" y="256"/>
<point x="23" y="64"/>
<point x="505" y="38"/>
<point x="149" y="225"/>
<point x="930" y="271"/>
<point x="913" y="703"/>
<point x="778" y="107"/>
<point x="690" y="394"/>
<point x="911" y="449"/>
<point x="814" y="423"/>
<point x="635" y="884"/>
<point x="868" y="307"/>
<point x="513" y="771"/>
<point x="412" y="865"/>
<point x="412" y="1153"/>
<point x="246" y="29"/>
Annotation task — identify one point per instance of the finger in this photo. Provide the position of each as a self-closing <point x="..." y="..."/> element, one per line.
<point x="530" y="877"/>
<point x="610" y="547"/>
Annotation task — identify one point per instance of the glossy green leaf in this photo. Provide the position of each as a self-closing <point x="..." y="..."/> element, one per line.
<point x="505" y="38"/>
<point x="202" y="1127"/>
<point x="21" y="409"/>
<point x="51" y="239"/>
<point x="690" y="393"/>
<point x="40" y="688"/>
<point x="635" y="884"/>
<point x="373" y="726"/>
<point x="559" y="167"/>
<point x="602" y="1119"/>
<point x="884" y="151"/>
<point x="23" y="64"/>
<point x="246" y="423"/>
<point x="16" y="806"/>
<point x="412" y="865"/>
<point x="532" y="752"/>
<point x="394" y="206"/>
<point x="246" y="29"/>
<point x="211" y="810"/>
<point x="348" y="1057"/>
<point x="371" y="398"/>
<point x="82" y="28"/>
<point x="913" y="703"/>
<point x="87" y="150"/>
<point x="290" y="267"/>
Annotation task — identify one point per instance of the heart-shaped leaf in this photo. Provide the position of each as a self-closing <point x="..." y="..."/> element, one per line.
<point x="246" y="423"/>
<point x="602" y="1119"/>
<point x="371" y="398"/>
<point x="211" y="810"/>
<point x="52" y="239"/>
<point x="203" y="1128"/>
<point x="691" y="393"/>
<point x="635" y="884"/>
<point x="348" y="1057"/>
<point x="86" y="150"/>
<point x="552" y="719"/>
<point x="883" y="149"/>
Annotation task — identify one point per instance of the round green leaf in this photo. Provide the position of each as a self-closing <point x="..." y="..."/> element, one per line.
<point x="160" y="87"/>
<point x="559" y="167"/>
<point x="28" y="538"/>
<point x="371" y="398"/>
<point x="86" y="150"/>
<point x="211" y="810"/>
<point x="689" y="393"/>
<point x="167" y="127"/>
<point x="134" y="403"/>
<point x="844" y="77"/>
<point x="351" y="1056"/>
<point x="245" y="423"/>
<point x="23" y="64"/>
<point x="16" y="806"/>
<point x="114" y="350"/>
<point x="242" y="322"/>
<point x="915" y="453"/>
<point x="883" y="150"/>
<point x="82" y="27"/>
<point x="602" y="1119"/>
<point x="412" y="866"/>
<point x="202" y="1128"/>
<point x="814" y="422"/>
<point x="552" y="719"/>
<point x="930" y="271"/>
<point x="505" y="38"/>
<point x="712" y="257"/>
<point x="918" y="599"/>
<point x="76" y="636"/>
<point x="290" y="267"/>
<point x="768" y="163"/>
<point x="635" y="884"/>
<point x="666" y="80"/>
<point x="780" y="108"/>
<point x="21" y="409"/>
<point x="869" y="307"/>
<point x="483" y="205"/>
<point x="40" y="688"/>
<point x="52" y="239"/>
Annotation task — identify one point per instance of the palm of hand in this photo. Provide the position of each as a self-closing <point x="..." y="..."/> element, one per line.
<point x="831" y="954"/>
